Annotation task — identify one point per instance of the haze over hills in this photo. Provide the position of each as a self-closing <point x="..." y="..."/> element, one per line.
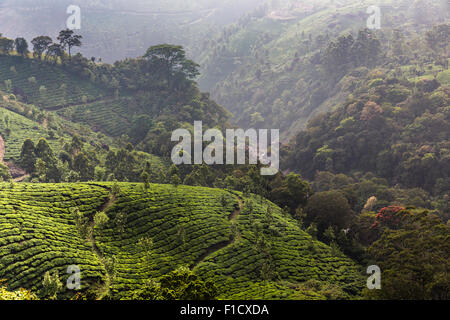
<point x="87" y="179"/>
<point x="115" y="30"/>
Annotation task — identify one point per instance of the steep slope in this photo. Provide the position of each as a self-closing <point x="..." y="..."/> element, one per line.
<point x="118" y="29"/>
<point x="190" y="226"/>
<point x="38" y="232"/>
<point x="268" y="71"/>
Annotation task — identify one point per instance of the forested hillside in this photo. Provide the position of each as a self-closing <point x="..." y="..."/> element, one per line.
<point x="87" y="180"/>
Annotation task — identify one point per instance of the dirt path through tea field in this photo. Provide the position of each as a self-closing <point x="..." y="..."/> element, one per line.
<point x="221" y="245"/>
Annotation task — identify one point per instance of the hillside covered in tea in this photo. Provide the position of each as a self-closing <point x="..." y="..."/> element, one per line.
<point x="246" y="245"/>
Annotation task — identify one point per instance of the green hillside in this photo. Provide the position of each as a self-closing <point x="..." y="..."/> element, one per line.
<point x="46" y="85"/>
<point x="15" y="129"/>
<point x="86" y="177"/>
<point x="223" y="236"/>
<point x="121" y="29"/>
<point x="271" y="72"/>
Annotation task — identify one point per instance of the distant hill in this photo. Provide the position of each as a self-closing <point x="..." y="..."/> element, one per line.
<point x="268" y="71"/>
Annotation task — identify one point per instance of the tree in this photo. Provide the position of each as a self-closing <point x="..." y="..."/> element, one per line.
<point x="338" y="55"/>
<point x="81" y="165"/>
<point x="139" y="128"/>
<point x="120" y="222"/>
<point x="21" y="46"/>
<point x="21" y="294"/>
<point x="370" y="111"/>
<point x="174" y="175"/>
<point x="170" y="61"/>
<point x="6" y="45"/>
<point x="101" y="219"/>
<point x="40" y="45"/>
<point x="68" y="39"/>
<point x="175" y="180"/>
<point x="366" y="49"/>
<point x="293" y="192"/>
<point x="146" y="245"/>
<point x="328" y="208"/>
<point x="180" y="284"/>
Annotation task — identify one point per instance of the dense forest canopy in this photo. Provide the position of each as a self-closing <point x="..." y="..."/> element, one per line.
<point x="85" y="147"/>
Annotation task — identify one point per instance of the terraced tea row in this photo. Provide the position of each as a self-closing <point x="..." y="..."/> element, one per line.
<point x="255" y="251"/>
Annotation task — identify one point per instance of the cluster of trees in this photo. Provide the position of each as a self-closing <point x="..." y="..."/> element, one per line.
<point x="180" y="284"/>
<point x="346" y="53"/>
<point x="43" y="45"/>
<point x="413" y="254"/>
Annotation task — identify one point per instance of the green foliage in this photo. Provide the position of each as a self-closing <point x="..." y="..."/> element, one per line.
<point x="51" y="285"/>
<point x="5" y="175"/>
<point x="414" y="258"/>
<point x="180" y="284"/>
<point x="157" y="215"/>
<point x="50" y="76"/>
<point x="403" y="144"/>
<point x="100" y="219"/>
<point x="21" y="294"/>
<point x="170" y="61"/>
<point x="292" y="192"/>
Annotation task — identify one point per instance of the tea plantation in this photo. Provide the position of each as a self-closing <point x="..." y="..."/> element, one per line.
<point x="44" y="84"/>
<point x="247" y="246"/>
<point x="15" y="129"/>
<point x="109" y="116"/>
<point x="38" y="233"/>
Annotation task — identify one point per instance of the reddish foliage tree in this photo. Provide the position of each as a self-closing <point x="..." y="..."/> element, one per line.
<point x="370" y="111"/>
<point x="388" y="217"/>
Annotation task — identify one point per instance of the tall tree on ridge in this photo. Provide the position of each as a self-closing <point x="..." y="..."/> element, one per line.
<point x="68" y="39"/>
